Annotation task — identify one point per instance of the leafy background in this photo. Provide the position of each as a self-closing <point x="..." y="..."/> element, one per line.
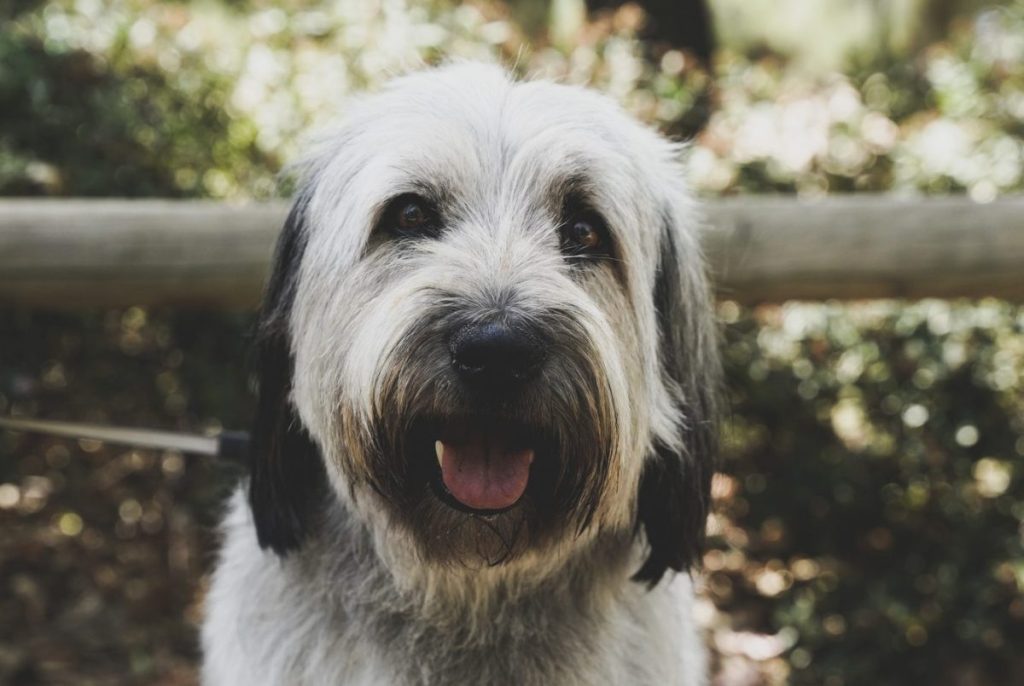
<point x="868" y="519"/>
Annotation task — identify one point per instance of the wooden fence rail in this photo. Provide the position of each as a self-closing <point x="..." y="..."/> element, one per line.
<point x="69" y="253"/>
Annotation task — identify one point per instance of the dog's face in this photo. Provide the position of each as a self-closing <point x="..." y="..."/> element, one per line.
<point x="488" y="331"/>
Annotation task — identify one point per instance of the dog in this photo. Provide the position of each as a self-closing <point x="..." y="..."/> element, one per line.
<point x="486" y="417"/>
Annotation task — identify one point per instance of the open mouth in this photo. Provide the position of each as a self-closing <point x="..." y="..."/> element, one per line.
<point x="482" y="465"/>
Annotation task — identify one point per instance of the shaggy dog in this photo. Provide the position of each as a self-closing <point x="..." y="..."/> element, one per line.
<point x="486" y="416"/>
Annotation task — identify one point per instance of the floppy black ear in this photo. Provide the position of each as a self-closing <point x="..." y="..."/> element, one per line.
<point x="287" y="478"/>
<point x="675" y="487"/>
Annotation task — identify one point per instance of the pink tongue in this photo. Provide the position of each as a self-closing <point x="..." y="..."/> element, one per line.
<point x="485" y="474"/>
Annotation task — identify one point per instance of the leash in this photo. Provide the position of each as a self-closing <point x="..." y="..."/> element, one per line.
<point x="232" y="446"/>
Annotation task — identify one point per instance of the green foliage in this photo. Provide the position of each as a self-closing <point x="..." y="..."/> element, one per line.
<point x="872" y="494"/>
<point x="75" y="122"/>
<point x="104" y="547"/>
<point x="868" y="514"/>
<point x="136" y="97"/>
<point x="949" y="121"/>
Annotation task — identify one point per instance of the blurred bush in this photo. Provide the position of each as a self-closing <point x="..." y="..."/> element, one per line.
<point x="103" y="546"/>
<point x="870" y="506"/>
<point x="136" y="97"/>
<point x="868" y="520"/>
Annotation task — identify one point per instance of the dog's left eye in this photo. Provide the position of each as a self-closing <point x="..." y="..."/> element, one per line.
<point x="411" y="215"/>
<point x="584" y="234"/>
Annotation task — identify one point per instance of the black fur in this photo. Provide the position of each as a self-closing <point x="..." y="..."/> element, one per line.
<point x="675" y="487"/>
<point x="287" y="478"/>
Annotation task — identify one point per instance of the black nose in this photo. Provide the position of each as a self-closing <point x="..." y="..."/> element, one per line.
<point x="496" y="356"/>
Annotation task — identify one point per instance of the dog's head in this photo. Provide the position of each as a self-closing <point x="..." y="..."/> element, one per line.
<point x="488" y="330"/>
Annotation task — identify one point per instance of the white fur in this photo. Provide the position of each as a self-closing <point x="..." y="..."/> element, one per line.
<point x="260" y="630"/>
<point x="359" y="603"/>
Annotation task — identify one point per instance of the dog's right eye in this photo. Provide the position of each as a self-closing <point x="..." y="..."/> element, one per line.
<point x="411" y="215"/>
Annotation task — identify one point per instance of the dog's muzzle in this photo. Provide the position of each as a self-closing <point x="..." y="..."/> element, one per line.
<point x="484" y="461"/>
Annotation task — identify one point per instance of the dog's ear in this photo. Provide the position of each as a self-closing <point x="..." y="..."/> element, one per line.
<point x="675" y="486"/>
<point x="287" y="479"/>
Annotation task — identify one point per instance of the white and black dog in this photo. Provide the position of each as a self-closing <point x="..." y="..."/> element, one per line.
<point x="486" y="416"/>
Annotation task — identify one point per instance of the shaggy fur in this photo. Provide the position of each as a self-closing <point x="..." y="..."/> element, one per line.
<point x="345" y="562"/>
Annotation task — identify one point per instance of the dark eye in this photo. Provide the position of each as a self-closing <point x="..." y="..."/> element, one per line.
<point x="411" y="215"/>
<point x="584" y="233"/>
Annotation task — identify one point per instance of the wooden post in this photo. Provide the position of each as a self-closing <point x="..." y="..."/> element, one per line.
<point x="72" y="253"/>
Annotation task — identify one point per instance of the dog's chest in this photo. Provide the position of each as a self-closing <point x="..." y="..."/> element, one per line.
<point x="546" y="644"/>
<point x="308" y="623"/>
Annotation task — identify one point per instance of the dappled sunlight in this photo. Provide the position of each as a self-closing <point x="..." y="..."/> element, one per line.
<point x="867" y="519"/>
